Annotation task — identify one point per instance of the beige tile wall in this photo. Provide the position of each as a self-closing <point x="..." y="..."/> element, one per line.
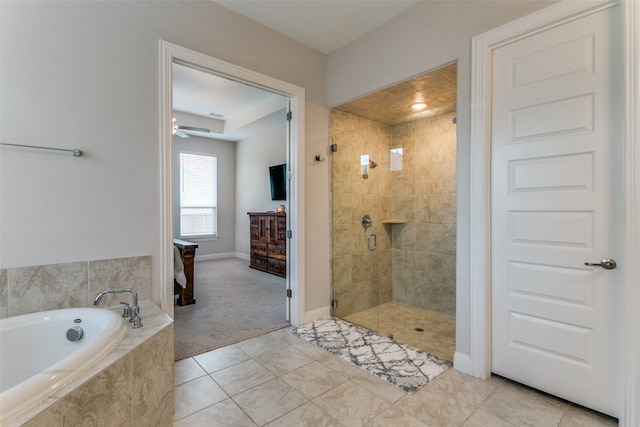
<point x="361" y="278"/>
<point x="48" y="287"/>
<point x="414" y="262"/>
<point x="424" y="193"/>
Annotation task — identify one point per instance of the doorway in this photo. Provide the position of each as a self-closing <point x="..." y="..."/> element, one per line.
<point x="393" y="195"/>
<point x="481" y="273"/>
<point x="171" y="54"/>
<point x="238" y="132"/>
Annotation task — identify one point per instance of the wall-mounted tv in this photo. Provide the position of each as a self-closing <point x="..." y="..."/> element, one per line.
<point x="278" y="182"/>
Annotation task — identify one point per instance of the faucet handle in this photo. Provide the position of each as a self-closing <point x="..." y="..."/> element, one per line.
<point x="137" y="321"/>
<point x="127" y="310"/>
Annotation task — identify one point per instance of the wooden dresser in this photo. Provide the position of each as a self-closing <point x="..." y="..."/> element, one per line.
<point x="268" y="234"/>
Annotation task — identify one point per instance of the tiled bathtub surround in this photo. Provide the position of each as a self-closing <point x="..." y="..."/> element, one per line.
<point x="48" y="287"/>
<point x="132" y="385"/>
<point x="399" y="364"/>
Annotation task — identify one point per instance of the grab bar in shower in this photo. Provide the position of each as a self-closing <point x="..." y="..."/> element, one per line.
<point x="375" y="242"/>
<point x="76" y="152"/>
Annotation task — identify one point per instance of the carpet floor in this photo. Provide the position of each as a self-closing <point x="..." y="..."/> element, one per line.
<point x="234" y="303"/>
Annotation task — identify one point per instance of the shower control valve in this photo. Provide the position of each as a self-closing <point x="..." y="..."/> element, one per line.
<point x="365" y="221"/>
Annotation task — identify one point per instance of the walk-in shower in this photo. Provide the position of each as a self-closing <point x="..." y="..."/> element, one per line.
<point x="393" y="198"/>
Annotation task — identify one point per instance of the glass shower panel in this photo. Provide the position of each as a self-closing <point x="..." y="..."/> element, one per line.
<point x="361" y="199"/>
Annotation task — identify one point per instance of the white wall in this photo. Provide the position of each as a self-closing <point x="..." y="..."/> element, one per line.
<point x="86" y="74"/>
<point x="255" y="155"/>
<point x="429" y="35"/>
<point x="225" y="151"/>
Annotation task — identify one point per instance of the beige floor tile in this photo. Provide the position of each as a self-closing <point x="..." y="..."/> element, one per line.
<point x="283" y="360"/>
<point x="313" y="379"/>
<point x="482" y="419"/>
<point x="334" y="362"/>
<point x="223" y="414"/>
<point x="379" y="387"/>
<point x="285" y="335"/>
<point x="221" y="358"/>
<point x="242" y="377"/>
<point x="581" y="417"/>
<point x="196" y="395"/>
<point x="311" y="350"/>
<point x="318" y="389"/>
<point x="307" y="415"/>
<point x="436" y="409"/>
<point x="269" y="401"/>
<point x="351" y="404"/>
<point x="401" y="321"/>
<point x="524" y="407"/>
<point x="449" y="399"/>
<point x="395" y="417"/>
<point x="459" y="384"/>
<point x="186" y="370"/>
<point x="263" y="344"/>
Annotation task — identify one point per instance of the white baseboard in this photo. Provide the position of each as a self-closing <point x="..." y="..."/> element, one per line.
<point x="243" y="256"/>
<point x="462" y="363"/>
<point x="317" y="314"/>
<point x="210" y="257"/>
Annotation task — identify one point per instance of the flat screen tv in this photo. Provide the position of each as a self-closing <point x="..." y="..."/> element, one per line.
<point x="278" y="182"/>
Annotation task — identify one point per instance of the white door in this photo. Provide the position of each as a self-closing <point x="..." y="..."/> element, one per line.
<point x="556" y="179"/>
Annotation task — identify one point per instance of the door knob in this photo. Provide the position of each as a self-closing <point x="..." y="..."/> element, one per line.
<point x="606" y="263"/>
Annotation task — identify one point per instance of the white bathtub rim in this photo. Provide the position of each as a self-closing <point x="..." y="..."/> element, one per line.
<point x="28" y="394"/>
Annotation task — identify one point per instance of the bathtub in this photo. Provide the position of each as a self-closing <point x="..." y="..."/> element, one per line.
<point x="38" y="358"/>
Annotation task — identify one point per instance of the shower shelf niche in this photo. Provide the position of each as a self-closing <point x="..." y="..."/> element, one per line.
<point x="394" y="221"/>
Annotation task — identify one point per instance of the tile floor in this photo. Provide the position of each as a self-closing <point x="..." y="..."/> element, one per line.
<point x="401" y="320"/>
<point x="279" y="379"/>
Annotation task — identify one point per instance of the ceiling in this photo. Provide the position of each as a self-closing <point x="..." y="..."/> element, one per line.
<point x="323" y="25"/>
<point x="234" y="111"/>
<point x="392" y="105"/>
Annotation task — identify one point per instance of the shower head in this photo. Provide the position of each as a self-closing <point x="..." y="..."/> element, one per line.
<point x="372" y="164"/>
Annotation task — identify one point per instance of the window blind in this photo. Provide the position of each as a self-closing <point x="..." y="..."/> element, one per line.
<point x="198" y="194"/>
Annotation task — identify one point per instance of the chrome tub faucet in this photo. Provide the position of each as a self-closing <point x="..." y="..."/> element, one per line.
<point x="132" y="311"/>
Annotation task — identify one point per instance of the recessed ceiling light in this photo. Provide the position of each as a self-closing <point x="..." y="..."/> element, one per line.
<point x="419" y="106"/>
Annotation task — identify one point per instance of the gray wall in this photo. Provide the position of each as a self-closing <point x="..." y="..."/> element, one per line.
<point x="225" y="151"/>
<point x="255" y="155"/>
<point x="86" y="74"/>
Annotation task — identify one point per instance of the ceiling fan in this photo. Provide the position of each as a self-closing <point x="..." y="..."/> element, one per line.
<point x="177" y="129"/>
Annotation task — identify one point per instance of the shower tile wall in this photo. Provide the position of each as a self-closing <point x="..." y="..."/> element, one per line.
<point x="424" y="193"/>
<point x="361" y="278"/>
<point x="415" y="262"/>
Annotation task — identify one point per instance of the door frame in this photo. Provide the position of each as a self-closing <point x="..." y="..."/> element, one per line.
<point x="480" y="197"/>
<point x="170" y="53"/>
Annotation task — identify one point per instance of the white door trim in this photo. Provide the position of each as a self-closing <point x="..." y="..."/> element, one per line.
<point x="480" y="202"/>
<point x="168" y="54"/>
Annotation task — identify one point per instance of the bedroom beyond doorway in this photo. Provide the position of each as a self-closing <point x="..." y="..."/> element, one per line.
<point x="235" y="303"/>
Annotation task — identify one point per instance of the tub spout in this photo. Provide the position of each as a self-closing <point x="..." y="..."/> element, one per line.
<point x="134" y="309"/>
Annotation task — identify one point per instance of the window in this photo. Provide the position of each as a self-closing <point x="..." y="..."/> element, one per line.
<point x="198" y="194"/>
